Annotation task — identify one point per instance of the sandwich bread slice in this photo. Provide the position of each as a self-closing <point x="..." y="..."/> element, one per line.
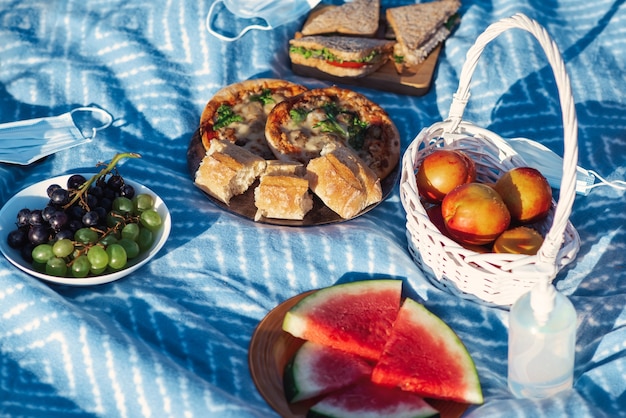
<point x="419" y="28"/>
<point x="341" y="56"/>
<point x="357" y="18"/>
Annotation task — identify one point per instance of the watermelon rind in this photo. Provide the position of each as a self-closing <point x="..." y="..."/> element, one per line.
<point x="424" y="355"/>
<point x="355" y="317"/>
<point x="316" y="370"/>
<point x="368" y="400"/>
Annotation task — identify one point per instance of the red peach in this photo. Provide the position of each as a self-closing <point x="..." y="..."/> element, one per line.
<point x="526" y="193"/>
<point x="442" y="171"/>
<point x="474" y="213"/>
<point x="435" y="216"/>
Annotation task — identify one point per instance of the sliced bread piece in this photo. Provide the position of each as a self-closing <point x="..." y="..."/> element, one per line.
<point x="343" y="181"/>
<point x="283" y="192"/>
<point x="227" y="170"/>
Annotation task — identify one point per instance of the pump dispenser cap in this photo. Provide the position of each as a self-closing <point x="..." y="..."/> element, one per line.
<point x="542" y="298"/>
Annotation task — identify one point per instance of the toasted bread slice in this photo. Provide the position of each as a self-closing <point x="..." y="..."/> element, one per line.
<point x="357" y="18"/>
<point x="418" y="29"/>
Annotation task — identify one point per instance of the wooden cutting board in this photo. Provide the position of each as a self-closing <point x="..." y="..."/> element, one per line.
<point x="414" y="81"/>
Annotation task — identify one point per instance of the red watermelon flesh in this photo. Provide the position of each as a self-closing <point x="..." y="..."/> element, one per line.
<point x="354" y="317"/>
<point x="316" y="369"/>
<point x="368" y="400"/>
<point x="425" y="356"/>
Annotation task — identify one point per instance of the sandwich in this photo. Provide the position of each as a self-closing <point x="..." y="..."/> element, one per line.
<point x="420" y="28"/>
<point x="357" y="18"/>
<point x="341" y="56"/>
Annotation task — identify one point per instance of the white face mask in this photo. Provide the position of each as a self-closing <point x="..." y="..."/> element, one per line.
<point x="274" y="12"/>
<point x="550" y="165"/>
<point x="26" y="141"/>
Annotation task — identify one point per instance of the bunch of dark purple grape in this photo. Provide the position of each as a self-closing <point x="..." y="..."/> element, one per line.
<point x="89" y="226"/>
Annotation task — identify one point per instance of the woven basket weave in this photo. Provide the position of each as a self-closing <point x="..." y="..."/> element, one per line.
<point x="493" y="279"/>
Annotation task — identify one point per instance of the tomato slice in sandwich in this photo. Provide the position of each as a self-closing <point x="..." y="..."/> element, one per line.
<point x="347" y="64"/>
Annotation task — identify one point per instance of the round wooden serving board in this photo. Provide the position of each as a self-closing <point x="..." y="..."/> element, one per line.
<point x="270" y="350"/>
<point x="243" y="205"/>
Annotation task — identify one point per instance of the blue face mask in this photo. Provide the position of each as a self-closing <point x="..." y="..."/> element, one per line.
<point x="26" y="141"/>
<point x="273" y="12"/>
<point x="550" y="165"/>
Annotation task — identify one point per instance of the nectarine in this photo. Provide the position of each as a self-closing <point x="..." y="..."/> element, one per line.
<point x="435" y="216"/>
<point x="519" y="240"/>
<point x="474" y="213"/>
<point x="526" y="193"/>
<point x="441" y="171"/>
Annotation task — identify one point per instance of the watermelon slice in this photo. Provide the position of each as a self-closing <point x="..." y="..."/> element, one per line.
<point x="317" y="370"/>
<point x="354" y="317"/>
<point x="368" y="400"/>
<point x="423" y="355"/>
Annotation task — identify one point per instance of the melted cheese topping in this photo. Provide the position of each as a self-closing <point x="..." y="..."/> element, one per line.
<point x="312" y="133"/>
<point x="250" y="132"/>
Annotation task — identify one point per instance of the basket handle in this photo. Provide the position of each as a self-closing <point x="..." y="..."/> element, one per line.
<point x="555" y="236"/>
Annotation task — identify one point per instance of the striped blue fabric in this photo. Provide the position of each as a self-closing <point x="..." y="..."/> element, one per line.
<point x="171" y="340"/>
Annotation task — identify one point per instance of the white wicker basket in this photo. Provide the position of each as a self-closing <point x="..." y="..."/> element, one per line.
<point x="494" y="279"/>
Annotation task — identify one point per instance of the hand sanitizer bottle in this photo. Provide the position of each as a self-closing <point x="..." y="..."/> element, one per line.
<point x="542" y="342"/>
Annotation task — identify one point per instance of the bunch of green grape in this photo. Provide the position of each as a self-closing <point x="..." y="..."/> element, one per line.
<point x="88" y="227"/>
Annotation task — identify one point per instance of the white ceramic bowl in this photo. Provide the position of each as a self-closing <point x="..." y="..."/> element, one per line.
<point x="35" y="197"/>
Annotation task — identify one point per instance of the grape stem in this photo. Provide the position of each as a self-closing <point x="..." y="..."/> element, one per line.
<point x="82" y="189"/>
<point x="83" y="247"/>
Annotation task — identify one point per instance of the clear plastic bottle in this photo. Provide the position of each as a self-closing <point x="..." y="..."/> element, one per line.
<point x="542" y="342"/>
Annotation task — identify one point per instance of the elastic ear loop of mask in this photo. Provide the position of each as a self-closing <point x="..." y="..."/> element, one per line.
<point x="209" y="28"/>
<point x="105" y="117"/>
<point x="616" y="184"/>
<point x="531" y="151"/>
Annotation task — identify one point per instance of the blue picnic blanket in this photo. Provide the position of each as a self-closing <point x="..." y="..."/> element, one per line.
<point x="172" y="338"/>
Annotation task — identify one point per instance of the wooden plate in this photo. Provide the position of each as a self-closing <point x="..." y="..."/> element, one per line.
<point x="270" y="350"/>
<point x="244" y="206"/>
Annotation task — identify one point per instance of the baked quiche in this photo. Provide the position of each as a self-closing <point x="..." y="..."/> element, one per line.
<point x="238" y="113"/>
<point x="298" y="128"/>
